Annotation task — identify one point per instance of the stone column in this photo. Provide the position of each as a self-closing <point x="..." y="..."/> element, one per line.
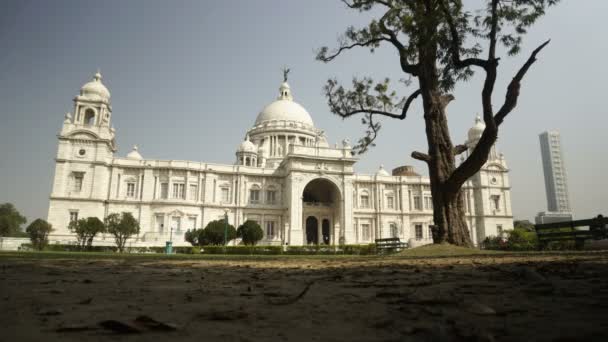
<point x="319" y="230"/>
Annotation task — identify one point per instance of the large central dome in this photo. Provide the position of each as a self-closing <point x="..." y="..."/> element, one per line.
<point x="284" y="109"/>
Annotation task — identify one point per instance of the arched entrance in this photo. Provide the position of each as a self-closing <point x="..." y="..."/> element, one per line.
<point x="321" y="206"/>
<point x="325" y="231"/>
<point x="312" y="230"/>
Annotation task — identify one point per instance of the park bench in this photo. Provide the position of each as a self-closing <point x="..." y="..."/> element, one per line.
<point x="390" y="245"/>
<point x="572" y="231"/>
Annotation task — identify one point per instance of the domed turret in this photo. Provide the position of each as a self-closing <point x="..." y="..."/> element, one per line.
<point x="134" y="154"/>
<point x="247" y="146"/>
<point x="95" y="90"/>
<point x="476" y="131"/>
<point x="382" y="172"/>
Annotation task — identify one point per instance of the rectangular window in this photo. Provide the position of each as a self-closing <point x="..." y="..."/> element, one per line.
<point x="176" y="224"/>
<point x="428" y="203"/>
<point x="160" y="223"/>
<point x="394" y="230"/>
<point x="164" y="190"/>
<point x="130" y="189"/>
<point x="78" y="178"/>
<point x="254" y="196"/>
<point x="364" y="201"/>
<point x="418" y="229"/>
<point x="496" y="202"/>
<point x="225" y="195"/>
<point x="271" y="197"/>
<point x="270" y="230"/>
<point x="178" y="190"/>
<point x="193" y="192"/>
<point x="73" y="215"/>
<point x="417" y="203"/>
<point x="499" y="231"/>
<point x="365" y="232"/>
<point x="390" y="202"/>
<point x="191" y="223"/>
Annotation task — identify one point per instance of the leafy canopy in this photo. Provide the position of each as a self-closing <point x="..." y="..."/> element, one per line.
<point x="457" y="33"/>
<point x="122" y="227"/>
<point x="86" y="229"/>
<point x="10" y="220"/>
<point x="38" y="232"/>
<point x="214" y="232"/>
<point x="251" y="232"/>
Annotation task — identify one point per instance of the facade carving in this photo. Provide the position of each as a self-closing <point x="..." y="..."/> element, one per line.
<point x="286" y="177"/>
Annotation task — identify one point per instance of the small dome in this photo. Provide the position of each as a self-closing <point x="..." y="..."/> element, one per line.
<point x="476" y="131"/>
<point x="95" y="89"/>
<point x="134" y="154"/>
<point x="382" y="172"/>
<point x="405" y="170"/>
<point x="247" y="146"/>
<point x="284" y="109"/>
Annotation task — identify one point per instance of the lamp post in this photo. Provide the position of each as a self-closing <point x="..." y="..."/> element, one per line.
<point x="225" y="229"/>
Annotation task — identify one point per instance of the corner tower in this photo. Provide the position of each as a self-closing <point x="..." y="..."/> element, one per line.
<point x="84" y="155"/>
<point x="488" y="194"/>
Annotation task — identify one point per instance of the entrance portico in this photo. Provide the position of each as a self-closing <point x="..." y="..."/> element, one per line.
<point x="321" y="208"/>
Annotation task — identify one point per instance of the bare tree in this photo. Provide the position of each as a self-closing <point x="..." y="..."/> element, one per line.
<point x="438" y="44"/>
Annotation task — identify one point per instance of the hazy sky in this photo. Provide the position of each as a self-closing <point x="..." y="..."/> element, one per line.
<point x="189" y="77"/>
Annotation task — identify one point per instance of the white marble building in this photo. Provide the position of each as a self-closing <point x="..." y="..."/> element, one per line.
<point x="286" y="177"/>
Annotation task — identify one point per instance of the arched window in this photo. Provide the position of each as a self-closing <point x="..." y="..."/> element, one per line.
<point x="364" y="199"/>
<point x="254" y="194"/>
<point x="89" y="117"/>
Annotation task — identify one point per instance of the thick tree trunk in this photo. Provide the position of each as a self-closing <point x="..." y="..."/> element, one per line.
<point x="448" y="211"/>
<point x="448" y="208"/>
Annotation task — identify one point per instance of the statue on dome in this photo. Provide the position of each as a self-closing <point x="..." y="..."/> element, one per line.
<point x="285" y="72"/>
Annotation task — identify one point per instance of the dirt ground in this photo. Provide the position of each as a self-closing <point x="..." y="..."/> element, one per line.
<point x="561" y="297"/>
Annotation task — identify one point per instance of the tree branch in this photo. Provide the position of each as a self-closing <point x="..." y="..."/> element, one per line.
<point x="480" y="153"/>
<point x="336" y="108"/>
<point x="513" y="88"/>
<point x="456" y="43"/>
<point x="392" y="37"/>
<point x="459" y="149"/>
<point x="421" y="156"/>
<point x="342" y="48"/>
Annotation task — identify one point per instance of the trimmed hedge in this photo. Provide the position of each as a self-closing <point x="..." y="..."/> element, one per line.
<point x="231" y="250"/>
<point x="291" y="250"/>
<point x="109" y="249"/>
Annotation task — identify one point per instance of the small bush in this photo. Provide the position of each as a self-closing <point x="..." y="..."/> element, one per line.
<point x="38" y="232"/>
<point x="250" y="232"/>
<point x="517" y="239"/>
<point x="214" y="233"/>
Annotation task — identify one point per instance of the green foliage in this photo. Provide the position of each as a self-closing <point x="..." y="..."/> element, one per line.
<point x="113" y="249"/>
<point x="196" y="237"/>
<point x="517" y="239"/>
<point x="443" y="33"/>
<point x="86" y="229"/>
<point x="523" y="224"/>
<point x="122" y="227"/>
<point x="10" y="220"/>
<point x="521" y="240"/>
<point x="292" y="250"/>
<point x="214" y="233"/>
<point x="250" y="232"/>
<point x="38" y="232"/>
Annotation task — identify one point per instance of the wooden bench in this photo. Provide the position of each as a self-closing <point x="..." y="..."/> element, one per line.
<point x="390" y="245"/>
<point x="570" y="231"/>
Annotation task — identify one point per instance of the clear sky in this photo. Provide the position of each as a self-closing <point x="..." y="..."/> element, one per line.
<point x="189" y="77"/>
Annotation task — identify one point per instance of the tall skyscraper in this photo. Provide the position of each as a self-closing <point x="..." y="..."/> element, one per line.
<point x="556" y="183"/>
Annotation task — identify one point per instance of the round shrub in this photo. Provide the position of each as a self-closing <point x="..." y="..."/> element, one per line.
<point x="250" y="232"/>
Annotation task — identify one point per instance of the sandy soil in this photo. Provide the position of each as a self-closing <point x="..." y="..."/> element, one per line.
<point x="483" y="298"/>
